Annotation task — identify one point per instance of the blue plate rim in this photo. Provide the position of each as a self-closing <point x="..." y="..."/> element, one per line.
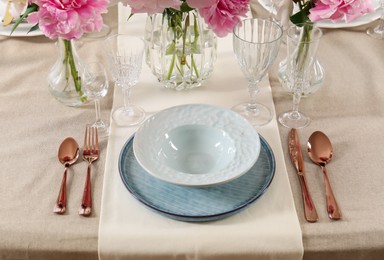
<point x="195" y="218"/>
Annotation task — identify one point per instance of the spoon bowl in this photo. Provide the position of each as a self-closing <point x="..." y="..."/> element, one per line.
<point x="68" y="154"/>
<point x="320" y="151"/>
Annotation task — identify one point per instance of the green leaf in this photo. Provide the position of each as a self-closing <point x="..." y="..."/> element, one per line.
<point x="302" y="15"/>
<point x="195" y="48"/>
<point x="171" y="49"/>
<point x="129" y="17"/>
<point x="185" y="7"/>
<point x="33" y="28"/>
<point x="32" y="8"/>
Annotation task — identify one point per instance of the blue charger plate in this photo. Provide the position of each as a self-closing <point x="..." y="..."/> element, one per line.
<point x="197" y="204"/>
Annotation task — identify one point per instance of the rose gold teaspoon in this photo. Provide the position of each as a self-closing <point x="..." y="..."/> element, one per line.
<point x="67" y="154"/>
<point x="320" y="151"/>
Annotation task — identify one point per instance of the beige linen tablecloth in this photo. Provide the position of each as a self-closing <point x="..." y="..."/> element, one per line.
<point x="349" y="108"/>
<point x="267" y="230"/>
<point x="33" y="124"/>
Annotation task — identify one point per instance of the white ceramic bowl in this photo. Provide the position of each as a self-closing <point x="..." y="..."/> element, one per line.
<point x="196" y="145"/>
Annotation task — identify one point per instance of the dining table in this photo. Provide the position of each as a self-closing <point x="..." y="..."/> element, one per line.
<point x="348" y="108"/>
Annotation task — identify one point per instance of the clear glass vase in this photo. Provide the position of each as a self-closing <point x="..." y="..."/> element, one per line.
<point x="64" y="79"/>
<point x="180" y="48"/>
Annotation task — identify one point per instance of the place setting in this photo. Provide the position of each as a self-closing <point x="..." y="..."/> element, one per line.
<point x="196" y="163"/>
<point x="168" y="134"/>
<point x="186" y="160"/>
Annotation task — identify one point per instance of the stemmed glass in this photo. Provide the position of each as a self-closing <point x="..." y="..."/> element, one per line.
<point x="256" y="43"/>
<point x="378" y="31"/>
<point x="302" y="44"/>
<point x="95" y="82"/>
<point x="125" y="55"/>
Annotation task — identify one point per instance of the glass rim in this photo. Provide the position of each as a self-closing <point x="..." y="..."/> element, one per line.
<point x="125" y="35"/>
<point x="301" y="25"/>
<point x="258" y="19"/>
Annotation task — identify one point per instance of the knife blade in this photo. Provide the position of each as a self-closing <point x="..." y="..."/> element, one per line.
<point x="297" y="160"/>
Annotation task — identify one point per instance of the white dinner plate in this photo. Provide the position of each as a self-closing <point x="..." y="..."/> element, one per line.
<point x="21" y="30"/>
<point x="365" y="19"/>
<point x="196" y="145"/>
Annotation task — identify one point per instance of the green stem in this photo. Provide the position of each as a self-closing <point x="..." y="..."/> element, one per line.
<point x="186" y="25"/>
<point x="304" y="46"/>
<point x="194" y="43"/>
<point x="171" y="66"/>
<point x="74" y="72"/>
<point x="194" y="66"/>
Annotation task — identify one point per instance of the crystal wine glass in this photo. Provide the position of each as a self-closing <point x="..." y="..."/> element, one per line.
<point x="302" y="43"/>
<point x="256" y="43"/>
<point x="95" y="82"/>
<point x="378" y="31"/>
<point x="125" y="55"/>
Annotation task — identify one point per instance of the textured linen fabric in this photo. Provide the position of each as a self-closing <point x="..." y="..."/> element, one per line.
<point x="33" y="124"/>
<point x="349" y="108"/>
<point x="268" y="229"/>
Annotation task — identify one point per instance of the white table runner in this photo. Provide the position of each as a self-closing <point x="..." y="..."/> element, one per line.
<point x="268" y="229"/>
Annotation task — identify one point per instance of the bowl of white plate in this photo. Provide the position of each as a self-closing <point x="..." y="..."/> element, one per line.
<point x="196" y="145"/>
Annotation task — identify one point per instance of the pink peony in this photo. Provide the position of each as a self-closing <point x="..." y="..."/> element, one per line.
<point x="152" y="6"/>
<point x="338" y="9"/>
<point x="68" y="19"/>
<point x="200" y="3"/>
<point x="222" y="16"/>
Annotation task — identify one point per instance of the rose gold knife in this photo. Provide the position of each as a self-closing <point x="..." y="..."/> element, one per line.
<point x="297" y="160"/>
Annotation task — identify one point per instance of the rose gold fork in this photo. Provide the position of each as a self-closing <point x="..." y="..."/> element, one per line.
<point x="90" y="154"/>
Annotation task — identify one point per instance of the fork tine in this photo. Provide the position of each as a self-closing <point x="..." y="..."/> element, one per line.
<point x="97" y="140"/>
<point x="85" y="138"/>
<point x="89" y="138"/>
<point x="93" y="140"/>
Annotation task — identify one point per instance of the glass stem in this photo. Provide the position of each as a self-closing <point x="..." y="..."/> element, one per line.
<point x="127" y="97"/>
<point x="295" y="109"/>
<point x="253" y="91"/>
<point x="97" y="109"/>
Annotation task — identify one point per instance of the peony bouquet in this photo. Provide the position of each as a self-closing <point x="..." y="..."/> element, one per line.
<point x="312" y="11"/>
<point x="334" y="10"/>
<point x="220" y="15"/>
<point x="181" y="36"/>
<point x="66" y="20"/>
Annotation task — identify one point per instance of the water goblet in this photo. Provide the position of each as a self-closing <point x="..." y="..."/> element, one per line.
<point x="125" y="55"/>
<point x="95" y="82"/>
<point x="302" y="44"/>
<point x="378" y="31"/>
<point x="256" y="43"/>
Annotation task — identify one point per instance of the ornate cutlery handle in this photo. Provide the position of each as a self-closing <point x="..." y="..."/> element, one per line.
<point x="61" y="202"/>
<point x="332" y="207"/>
<point x="309" y="207"/>
<point x="86" y="203"/>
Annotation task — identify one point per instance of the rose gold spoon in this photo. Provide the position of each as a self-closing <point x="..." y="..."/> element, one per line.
<point x="320" y="151"/>
<point x="67" y="154"/>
